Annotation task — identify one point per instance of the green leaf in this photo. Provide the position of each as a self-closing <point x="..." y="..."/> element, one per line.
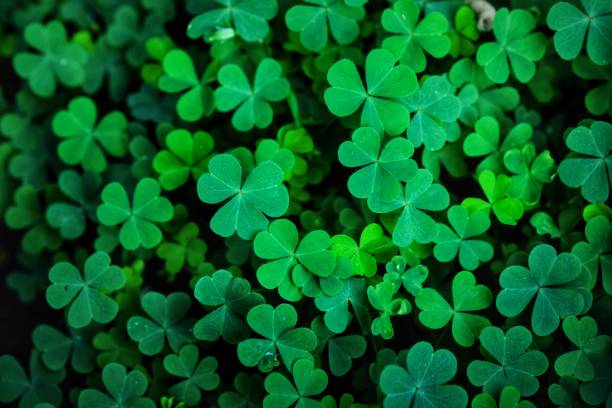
<point x="595" y="254"/>
<point x="57" y="348"/>
<point x="198" y="375"/>
<point x="309" y="381"/>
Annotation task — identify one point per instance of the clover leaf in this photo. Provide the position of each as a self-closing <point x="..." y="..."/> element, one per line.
<point x="516" y="365"/>
<point x="168" y="314"/>
<point x="530" y="172"/>
<point x="558" y="282"/>
<point x="449" y="243"/>
<point x="509" y="397"/>
<point x="381" y="172"/>
<point x="598" y="100"/>
<point x="595" y="254"/>
<point x="421" y="379"/>
<point x="125" y="389"/>
<point x="249" y="392"/>
<point x="261" y="193"/>
<point x="232" y="297"/>
<point x="180" y="76"/>
<point x="572" y="24"/>
<point x="84" y="294"/>
<point x="337" y="316"/>
<point x="279" y="244"/>
<point x="514" y="42"/>
<point x="382" y="298"/>
<point x="467" y="297"/>
<point x="414" y="224"/>
<point x="372" y="245"/>
<point x="312" y="21"/>
<point x="57" y="348"/>
<point x="309" y="381"/>
<point x="58" y="61"/>
<point x="199" y="375"/>
<point x="85" y="143"/>
<point x="186" y="155"/>
<point x="593" y="173"/>
<point x="185" y="248"/>
<point x="385" y="83"/>
<point x="342" y="351"/>
<point x="247" y="17"/>
<point x="137" y="219"/>
<point x="435" y="107"/>
<point x="414" y="38"/>
<point x="253" y="102"/>
<point x="276" y="325"/>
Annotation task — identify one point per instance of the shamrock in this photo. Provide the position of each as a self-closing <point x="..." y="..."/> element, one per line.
<point x="509" y="397"/>
<point x="186" y="155"/>
<point x="262" y="193"/>
<point x="115" y="348"/>
<point x="85" y="142"/>
<point x="187" y="248"/>
<point x="337" y="316"/>
<point x="311" y="22"/>
<point x="593" y="173"/>
<point x="465" y="225"/>
<point x="56" y="348"/>
<point x="434" y="107"/>
<point x="41" y="386"/>
<point x="530" y="172"/>
<point x="253" y="102"/>
<point x="198" y="375"/>
<point x="168" y="314"/>
<point x="412" y="278"/>
<point x="558" y="282"/>
<point x="485" y="142"/>
<point x="276" y="325"/>
<point x="464" y="34"/>
<point x="68" y="217"/>
<point x="180" y="75"/>
<point x="341" y="350"/>
<point x="249" y="392"/>
<point x="598" y="100"/>
<point x="515" y="42"/>
<point x="382" y="298"/>
<point x="385" y="83"/>
<point x="571" y="25"/>
<point x="516" y="365"/>
<point x="597" y="392"/>
<point x="414" y="224"/>
<point x="508" y="210"/>
<point x="309" y="381"/>
<point x="412" y="40"/>
<point x="596" y="253"/>
<point x="381" y="172"/>
<point x="59" y="60"/>
<point x="138" y="219"/>
<point x="85" y="294"/>
<point x="125" y="389"/>
<point x="249" y="18"/>
<point x="583" y="334"/>
<point x="232" y="298"/>
<point x="372" y="244"/>
<point x="279" y="244"/>
<point x="467" y="297"/>
<point x="421" y="379"/>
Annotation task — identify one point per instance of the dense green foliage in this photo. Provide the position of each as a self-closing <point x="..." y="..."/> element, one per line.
<point x="306" y="203"/>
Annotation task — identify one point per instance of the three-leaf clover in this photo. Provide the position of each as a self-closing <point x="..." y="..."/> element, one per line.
<point x="572" y="25"/>
<point x="558" y="282"/>
<point x="59" y="60"/>
<point x="467" y="297"/>
<point x="593" y="173"/>
<point x="168" y="322"/>
<point x="261" y="193"/>
<point x="85" y="142"/>
<point x="382" y="298"/>
<point x="596" y="253"/>
<point x="413" y="223"/>
<point x="249" y="18"/>
<point x="186" y="155"/>
<point x="373" y="243"/>
<point x="516" y="365"/>
<point x="312" y="20"/>
<point x="232" y="298"/>
<point x="337" y="315"/>
<point x="509" y="397"/>
<point x="125" y="389"/>
<point x="85" y="294"/>
<point x="138" y="219"/>
<point x="180" y="76"/>
<point x="279" y="245"/>
<point x="309" y="381"/>
<point x="198" y="375"/>
<point x="186" y="248"/>
<point x="461" y="241"/>
<point x="381" y="171"/>
<point x="276" y="325"/>
<point x="385" y="83"/>
<point x="420" y="380"/>
<point x="412" y="38"/>
<point x="57" y="348"/>
<point x="253" y="102"/>
<point x="530" y="172"/>
<point x="516" y="43"/>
